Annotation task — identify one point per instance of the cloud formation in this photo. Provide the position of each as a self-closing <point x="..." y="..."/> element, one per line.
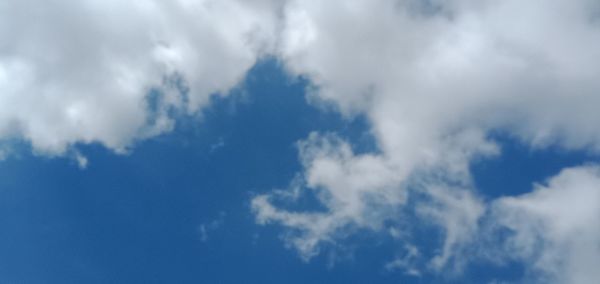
<point x="554" y="227"/>
<point x="111" y="72"/>
<point x="433" y="78"/>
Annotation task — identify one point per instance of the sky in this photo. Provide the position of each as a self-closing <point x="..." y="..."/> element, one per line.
<point x="265" y="141"/>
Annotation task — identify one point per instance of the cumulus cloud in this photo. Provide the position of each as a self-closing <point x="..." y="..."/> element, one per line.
<point x="112" y="72"/>
<point x="555" y="226"/>
<point x="357" y="190"/>
<point x="434" y="79"/>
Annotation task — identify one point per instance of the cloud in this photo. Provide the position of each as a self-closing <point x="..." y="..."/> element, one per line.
<point x="405" y="262"/>
<point x="433" y="78"/>
<point x="111" y="72"/>
<point x="217" y="145"/>
<point x="206" y="229"/>
<point x="82" y="161"/>
<point x="457" y="211"/>
<point x="554" y="227"/>
<point x="355" y="190"/>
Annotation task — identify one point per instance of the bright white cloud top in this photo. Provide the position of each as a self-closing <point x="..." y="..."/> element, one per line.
<point x="433" y="78"/>
<point x="82" y="72"/>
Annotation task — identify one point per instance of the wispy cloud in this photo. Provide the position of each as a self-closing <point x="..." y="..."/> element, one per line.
<point x="205" y="229"/>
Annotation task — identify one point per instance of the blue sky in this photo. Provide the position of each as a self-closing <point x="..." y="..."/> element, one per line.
<point x="265" y="141"/>
<point x="136" y="217"/>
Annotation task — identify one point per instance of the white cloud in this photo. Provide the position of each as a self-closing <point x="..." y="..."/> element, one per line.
<point x="555" y="226"/>
<point x="434" y="79"/>
<point x="458" y="212"/>
<point x="82" y="161"/>
<point x="82" y="72"/>
<point x="357" y="190"/>
<point x="405" y="262"/>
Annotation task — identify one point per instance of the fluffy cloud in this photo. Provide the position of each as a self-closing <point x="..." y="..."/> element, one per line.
<point x="356" y="191"/>
<point x="112" y="71"/>
<point x="555" y="226"/>
<point x="434" y="78"/>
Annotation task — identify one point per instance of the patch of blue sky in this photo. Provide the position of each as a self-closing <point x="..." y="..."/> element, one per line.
<point x="136" y="218"/>
<point x="520" y="166"/>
